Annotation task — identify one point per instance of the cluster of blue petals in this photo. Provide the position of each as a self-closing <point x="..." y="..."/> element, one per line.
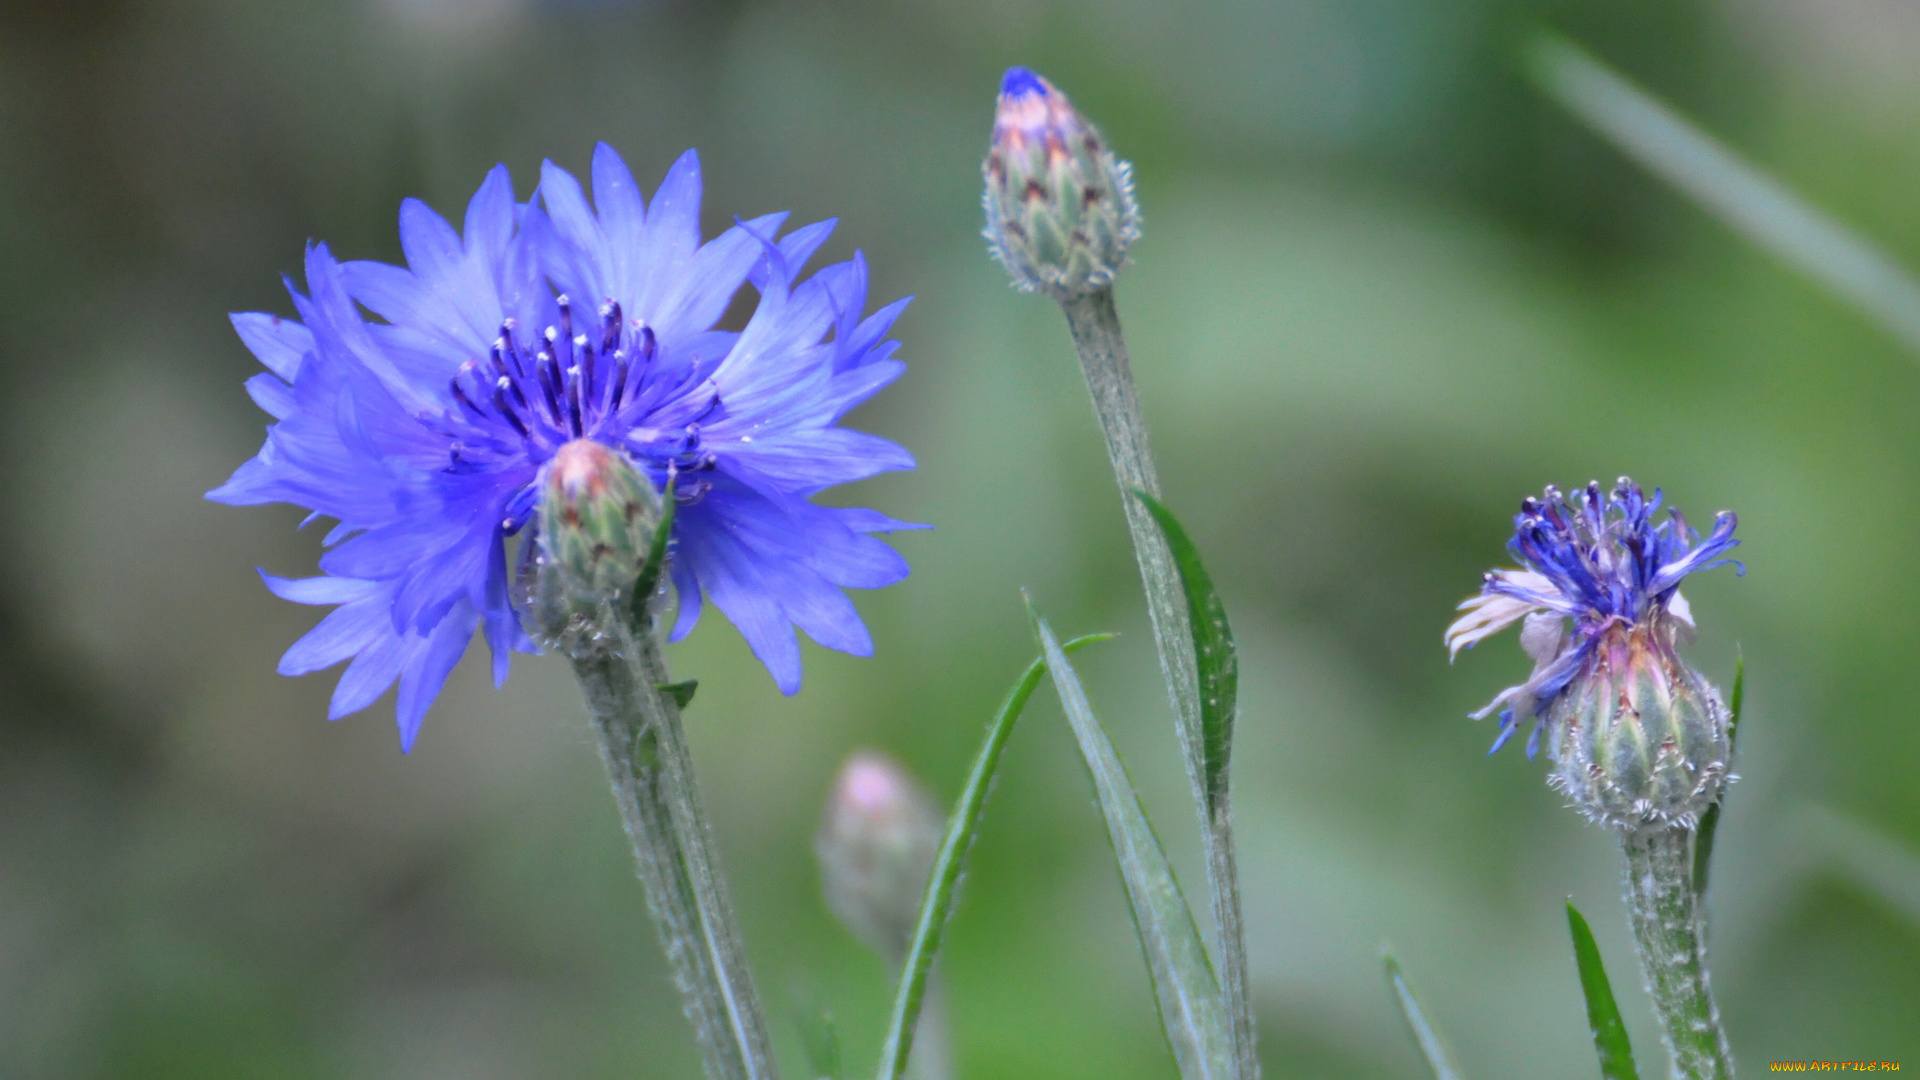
<point x="1600" y="560"/>
<point x="422" y="433"/>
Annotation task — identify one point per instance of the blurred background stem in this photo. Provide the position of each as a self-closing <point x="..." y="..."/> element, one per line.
<point x="1749" y="200"/>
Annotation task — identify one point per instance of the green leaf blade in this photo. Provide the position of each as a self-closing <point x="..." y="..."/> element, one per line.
<point x="1425" y="1036"/>
<point x="1215" y="654"/>
<point x="948" y="867"/>
<point x="1216" y="693"/>
<point x="1185" y="989"/>
<point x="1610" y="1040"/>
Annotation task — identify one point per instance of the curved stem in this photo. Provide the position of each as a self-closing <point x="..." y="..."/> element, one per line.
<point x="1670" y="928"/>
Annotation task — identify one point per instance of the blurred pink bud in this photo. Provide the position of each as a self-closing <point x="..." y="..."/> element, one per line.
<point x="876" y="849"/>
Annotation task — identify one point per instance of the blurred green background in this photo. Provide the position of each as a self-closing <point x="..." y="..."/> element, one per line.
<point x="1384" y="292"/>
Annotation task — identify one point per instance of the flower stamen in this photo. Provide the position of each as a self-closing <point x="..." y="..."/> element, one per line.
<point x="506" y="410"/>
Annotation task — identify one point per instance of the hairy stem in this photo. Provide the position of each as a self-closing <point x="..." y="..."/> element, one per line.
<point x="1094" y="322"/>
<point x="1670" y="928"/>
<point x="651" y="770"/>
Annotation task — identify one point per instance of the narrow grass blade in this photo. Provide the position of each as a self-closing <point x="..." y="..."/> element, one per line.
<point x="1425" y="1035"/>
<point x="1603" y="1014"/>
<point x="1183" y="979"/>
<point x="1217" y="668"/>
<point x="1710" y="821"/>
<point x="1749" y="201"/>
<point x="944" y="883"/>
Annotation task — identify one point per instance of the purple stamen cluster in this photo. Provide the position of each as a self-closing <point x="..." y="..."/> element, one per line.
<point x="531" y="398"/>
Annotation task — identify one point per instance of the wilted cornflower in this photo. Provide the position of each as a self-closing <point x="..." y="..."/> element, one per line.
<point x="1637" y="735"/>
<point x="1060" y="208"/>
<point x="426" y="435"/>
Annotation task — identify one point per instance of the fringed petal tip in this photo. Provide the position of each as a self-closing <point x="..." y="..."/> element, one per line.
<point x="1507" y="727"/>
<point x="1510" y="726"/>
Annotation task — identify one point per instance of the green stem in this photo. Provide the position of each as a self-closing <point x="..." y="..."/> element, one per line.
<point x="651" y="770"/>
<point x="1094" y="322"/>
<point x="1670" y="927"/>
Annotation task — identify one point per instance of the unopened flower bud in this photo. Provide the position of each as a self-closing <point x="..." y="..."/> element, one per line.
<point x="1060" y="208"/>
<point x="597" y="519"/>
<point x="876" y="848"/>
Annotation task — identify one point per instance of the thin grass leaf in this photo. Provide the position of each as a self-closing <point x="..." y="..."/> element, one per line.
<point x="1710" y="821"/>
<point x="1183" y="981"/>
<point x="1603" y="1013"/>
<point x="944" y="882"/>
<point x="1746" y="199"/>
<point x="1425" y="1035"/>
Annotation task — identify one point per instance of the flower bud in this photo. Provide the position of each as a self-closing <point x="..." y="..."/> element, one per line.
<point x="597" y="518"/>
<point x="876" y="849"/>
<point x="1638" y="737"/>
<point x="1060" y="208"/>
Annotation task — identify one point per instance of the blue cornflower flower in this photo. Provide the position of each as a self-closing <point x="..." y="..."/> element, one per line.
<point x="1601" y="564"/>
<point x="424" y="435"/>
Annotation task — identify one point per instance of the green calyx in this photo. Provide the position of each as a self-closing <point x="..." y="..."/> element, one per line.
<point x="1639" y="738"/>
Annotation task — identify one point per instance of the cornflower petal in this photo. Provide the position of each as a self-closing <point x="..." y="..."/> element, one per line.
<point x="623" y="217"/>
<point x="278" y="343"/>
<point x="1520" y="593"/>
<point x="796" y="248"/>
